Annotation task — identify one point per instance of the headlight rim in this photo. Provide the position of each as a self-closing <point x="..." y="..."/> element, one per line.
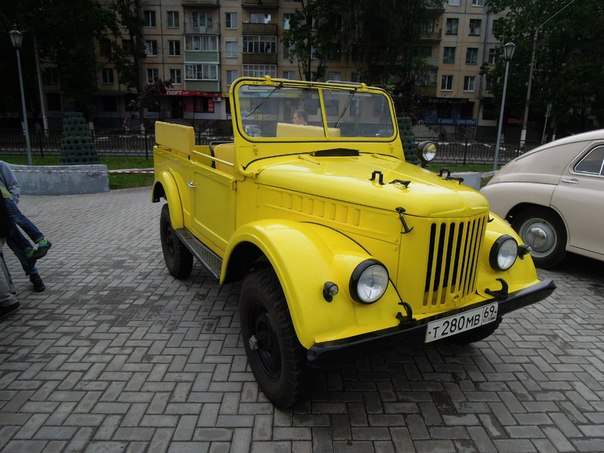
<point x="496" y="248"/>
<point x="421" y="151"/>
<point x="356" y="276"/>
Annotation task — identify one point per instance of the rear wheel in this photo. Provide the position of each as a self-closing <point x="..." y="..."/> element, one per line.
<point x="544" y="232"/>
<point x="178" y="258"/>
<point x="275" y="355"/>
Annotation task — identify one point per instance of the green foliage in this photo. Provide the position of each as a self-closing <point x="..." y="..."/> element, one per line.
<point x="381" y="37"/>
<point x="568" y="54"/>
<point x="67" y="33"/>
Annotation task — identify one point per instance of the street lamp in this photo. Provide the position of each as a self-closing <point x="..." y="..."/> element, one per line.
<point x="508" y="54"/>
<point x="16" y="38"/>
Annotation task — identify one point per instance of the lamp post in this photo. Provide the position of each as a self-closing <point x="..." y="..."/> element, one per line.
<point x="508" y="53"/>
<point x="16" y="38"/>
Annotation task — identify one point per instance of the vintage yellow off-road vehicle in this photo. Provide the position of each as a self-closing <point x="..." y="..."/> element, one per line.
<point x="339" y="242"/>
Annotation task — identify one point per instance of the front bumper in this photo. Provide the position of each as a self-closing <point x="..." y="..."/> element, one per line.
<point x="398" y="336"/>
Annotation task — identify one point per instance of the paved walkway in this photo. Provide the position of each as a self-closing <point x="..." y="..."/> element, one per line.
<point x="116" y="355"/>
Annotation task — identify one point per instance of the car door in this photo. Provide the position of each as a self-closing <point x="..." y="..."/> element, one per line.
<point x="213" y="206"/>
<point x="579" y="196"/>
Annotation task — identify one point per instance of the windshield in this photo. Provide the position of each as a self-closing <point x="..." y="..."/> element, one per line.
<point x="313" y="112"/>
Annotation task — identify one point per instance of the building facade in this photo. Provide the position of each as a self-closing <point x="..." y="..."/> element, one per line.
<point x="199" y="47"/>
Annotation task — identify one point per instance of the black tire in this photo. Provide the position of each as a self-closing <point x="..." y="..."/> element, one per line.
<point x="544" y="231"/>
<point x="478" y="334"/>
<point x="276" y="358"/>
<point x="178" y="258"/>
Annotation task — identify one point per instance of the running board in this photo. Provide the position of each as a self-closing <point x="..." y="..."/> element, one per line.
<point x="207" y="257"/>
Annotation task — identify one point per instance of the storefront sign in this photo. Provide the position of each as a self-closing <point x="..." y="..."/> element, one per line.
<point x="205" y="94"/>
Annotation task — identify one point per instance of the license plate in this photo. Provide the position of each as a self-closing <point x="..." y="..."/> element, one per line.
<point x="468" y="320"/>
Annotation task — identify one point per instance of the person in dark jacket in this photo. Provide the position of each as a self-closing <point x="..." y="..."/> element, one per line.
<point x="8" y="300"/>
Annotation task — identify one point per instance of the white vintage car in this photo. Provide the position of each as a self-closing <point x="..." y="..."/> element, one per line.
<point x="554" y="197"/>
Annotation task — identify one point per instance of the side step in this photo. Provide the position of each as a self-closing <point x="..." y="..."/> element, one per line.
<point x="207" y="257"/>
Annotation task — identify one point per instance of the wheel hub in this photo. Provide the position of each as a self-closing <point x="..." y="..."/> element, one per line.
<point x="541" y="237"/>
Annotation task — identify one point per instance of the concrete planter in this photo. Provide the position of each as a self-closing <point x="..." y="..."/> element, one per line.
<point x="61" y="179"/>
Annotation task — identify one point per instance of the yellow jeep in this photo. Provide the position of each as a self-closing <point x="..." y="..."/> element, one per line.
<point x="340" y="243"/>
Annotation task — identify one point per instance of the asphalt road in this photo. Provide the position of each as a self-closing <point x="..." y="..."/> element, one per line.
<point x="116" y="355"/>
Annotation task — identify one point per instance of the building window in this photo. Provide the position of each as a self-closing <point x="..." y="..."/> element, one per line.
<point x="259" y="70"/>
<point x="201" y="72"/>
<point x="149" y="18"/>
<point x="152" y="75"/>
<point x="174" y="48"/>
<point x="449" y="55"/>
<point x="176" y="76"/>
<point x="231" y="75"/>
<point x="201" y="19"/>
<point x="200" y="43"/>
<point x="107" y="76"/>
<point x="333" y="75"/>
<point x="472" y="55"/>
<point x="259" y="44"/>
<point x="453" y="2"/>
<point x="446" y="83"/>
<point x="290" y="75"/>
<point x="203" y="105"/>
<point x="105" y="49"/>
<point x="231" y="21"/>
<point x="452" y="26"/>
<point x="50" y="76"/>
<point x="334" y="52"/>
<point x="173" y="19"/>
<point x="260" y="18"/>
<point x="424" y="52"/>
<point x="151" y="48"/>
<point x="230" y="49"/>
<point x="492" y="55"/>
<point x="475" y="25"/>
<point x="477" y="2"/>
<point x="468" y="83"/>
<point x="287" y="17"/>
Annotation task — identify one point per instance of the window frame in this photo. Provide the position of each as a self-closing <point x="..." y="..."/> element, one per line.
<point x="173" y="19"/>
<point x="446" y="86"/>
<point x="452" y="20"/>
<point x="174" y="48"/>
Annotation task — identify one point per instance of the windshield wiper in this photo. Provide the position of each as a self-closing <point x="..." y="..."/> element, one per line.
<point x="350" y="96"/>
<point x="263" y="101"/>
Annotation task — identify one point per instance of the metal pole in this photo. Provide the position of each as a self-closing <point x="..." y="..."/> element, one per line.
<point x="505" y="88"/>
<point x="41" y="89"/>
<point x="25" y="125"/>
<point x="527" y="102"/>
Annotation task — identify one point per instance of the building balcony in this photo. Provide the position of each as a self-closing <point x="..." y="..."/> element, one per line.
<point x="200" y="3"/>
<point x="434" y="36"/>
<point x="259" y="58"/>
<point x="191" y="30"/>
<point x="260" y="3"/>
<point x="259" y="29"/>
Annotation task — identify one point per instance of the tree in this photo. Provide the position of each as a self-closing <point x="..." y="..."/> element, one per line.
<point x="67" y="34"/>
<point x="381" y="37"/>
<point x="568" y="55"/>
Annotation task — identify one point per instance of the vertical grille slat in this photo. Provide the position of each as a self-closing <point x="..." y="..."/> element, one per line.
<point x="453" y="255"/>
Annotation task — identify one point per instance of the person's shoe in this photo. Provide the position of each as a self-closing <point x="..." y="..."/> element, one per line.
<point x="37" y="282"/>
<point x="42" y="250"/>
<point x="9" y="309"/>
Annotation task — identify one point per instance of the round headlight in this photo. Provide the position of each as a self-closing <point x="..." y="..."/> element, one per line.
<point x="426" y="151"/>
<point x="368" y="282"/>
<point x="503" y="253"/>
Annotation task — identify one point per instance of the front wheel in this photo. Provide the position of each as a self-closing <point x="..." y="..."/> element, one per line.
<point x="274" y="353"/>
<point x="544" y="232"/>
<point x="178" y="258"/>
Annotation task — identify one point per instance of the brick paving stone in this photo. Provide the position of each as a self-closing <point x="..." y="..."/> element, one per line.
<point x="116" y="355"/>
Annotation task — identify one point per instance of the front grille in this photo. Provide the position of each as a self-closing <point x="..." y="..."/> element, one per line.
<point x="452" y="260"/>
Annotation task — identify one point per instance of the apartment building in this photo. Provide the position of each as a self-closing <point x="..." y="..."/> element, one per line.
<point x="202" y="46"/>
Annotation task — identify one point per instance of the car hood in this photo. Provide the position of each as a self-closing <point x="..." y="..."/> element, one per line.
<point x="348" y="179"/>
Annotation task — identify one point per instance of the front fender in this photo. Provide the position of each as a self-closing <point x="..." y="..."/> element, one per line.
<point x="172" y="195"/>
<point x="504" y="196"/>
<point x="304" y="256"/>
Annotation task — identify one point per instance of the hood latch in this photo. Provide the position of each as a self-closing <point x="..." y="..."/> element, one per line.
<point x="401" y="212"/>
